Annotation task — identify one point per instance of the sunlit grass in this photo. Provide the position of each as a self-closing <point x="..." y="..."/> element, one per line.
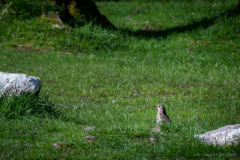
<point x="113" y="79"/>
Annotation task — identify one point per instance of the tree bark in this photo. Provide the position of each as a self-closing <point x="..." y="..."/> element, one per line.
<point x="3" y="1"/>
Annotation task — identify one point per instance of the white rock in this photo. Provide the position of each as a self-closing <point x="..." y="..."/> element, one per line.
<point x="90" y="128"/>
<point x="18" y="83"/>
<point x="89" y="138"/>
<point x="224" y="135"/>
<point x="57" y="26"/>
<point x="63" y="145"/>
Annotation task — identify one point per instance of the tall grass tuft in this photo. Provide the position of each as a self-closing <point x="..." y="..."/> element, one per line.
<point x="15" y="107"/>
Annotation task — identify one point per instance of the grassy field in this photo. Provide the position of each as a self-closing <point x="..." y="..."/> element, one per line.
<point x="184" y="54"/>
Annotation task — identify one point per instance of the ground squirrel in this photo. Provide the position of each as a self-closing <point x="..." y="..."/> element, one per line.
<point x="162" y="115"/>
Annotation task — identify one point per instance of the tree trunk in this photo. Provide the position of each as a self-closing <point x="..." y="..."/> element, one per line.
<point x="86" y="8"/>
<point x="238" y="7"/>
<point x="3" y="1"/>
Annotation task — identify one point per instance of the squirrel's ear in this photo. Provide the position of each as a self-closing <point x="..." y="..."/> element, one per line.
<point x="155" y="106"/>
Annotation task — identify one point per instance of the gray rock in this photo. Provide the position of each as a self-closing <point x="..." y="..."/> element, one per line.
<point x="57" y="26"/>
<point x="58" y="145"/>
<point x="18" y="83"/>
<point x="90" y="128"/>
<point x="153" y="138"/>
<point x="63" y="145"/>
<point x="89" y="139"/>
<point x="222" y="136"/>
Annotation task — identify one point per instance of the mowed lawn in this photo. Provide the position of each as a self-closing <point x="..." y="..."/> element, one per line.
<point x="183" y="54"/>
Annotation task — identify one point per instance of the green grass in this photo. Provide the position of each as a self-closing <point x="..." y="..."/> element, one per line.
<point x="112" y="80"/>
<point x="16" y="107"/>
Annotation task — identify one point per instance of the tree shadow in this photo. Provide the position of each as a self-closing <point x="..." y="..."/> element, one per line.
<point x="107" y="0"/>
<point x="203" y="23"/>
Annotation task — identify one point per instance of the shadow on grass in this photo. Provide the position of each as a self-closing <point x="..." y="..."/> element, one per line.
<point x="203" y="23"/>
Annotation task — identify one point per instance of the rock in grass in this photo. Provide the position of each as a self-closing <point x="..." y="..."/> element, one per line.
<point x="222" y="136"/>
<point x="90" y="128"/>
<point x="89" y="138"/>
<point x="57" y="26"/>
<point x="62" y="145"/>
<point x="18" y="83"/>
<point x="153" y="138"/>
